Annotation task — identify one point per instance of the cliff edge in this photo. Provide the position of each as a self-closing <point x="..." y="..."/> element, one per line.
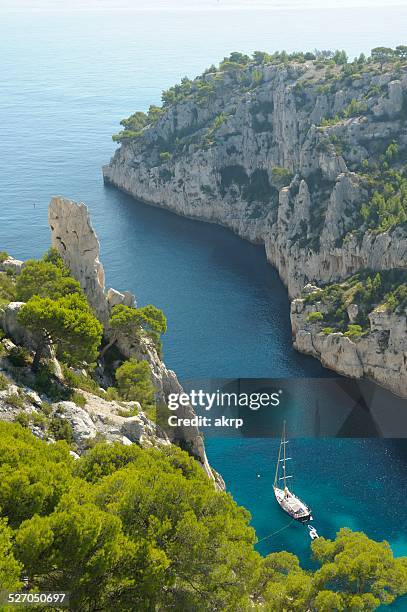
<point x="304" y="156"/>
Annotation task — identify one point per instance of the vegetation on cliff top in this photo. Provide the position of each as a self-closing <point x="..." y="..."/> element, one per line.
<point x="57" y="314"/>
<point x="130" y="528"/>
<point x="382" y="173"/>
<point x="385" y="290"/>
<point x="243" y="70"/>
<point x="387" y="183"/>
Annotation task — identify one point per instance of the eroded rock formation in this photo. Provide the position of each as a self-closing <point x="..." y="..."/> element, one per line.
<point x="380" y="354"/>
<point x="281" y="155"/>
<point x="74" y="237"/>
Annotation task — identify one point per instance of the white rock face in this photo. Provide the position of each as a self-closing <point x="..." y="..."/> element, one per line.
<point x="74" y="237"/>
<point x="308" y="226"/>
<point x="115" y="298"/>
<point x="72" y="234"/>
<point x="82" y="425"/>
<point x="380" y="355"/>
<point x="11" y="326"/>
<point x="11" y="265"/>
<point x="353" y="311"/>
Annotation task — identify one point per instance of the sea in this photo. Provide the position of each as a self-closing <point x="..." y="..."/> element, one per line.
<point x="68" y="75"/>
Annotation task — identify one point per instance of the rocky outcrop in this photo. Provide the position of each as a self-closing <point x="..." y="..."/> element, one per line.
<point x="279" y="156"/>
<point x="12" y="328"/>
<point x="21" y="336"/>
<point x="97" y="419"/>
<point x="380" y="354"/>
<point x="115" y="298"/>
<point x="11" y="265"/>
<point x="73" y="235"/>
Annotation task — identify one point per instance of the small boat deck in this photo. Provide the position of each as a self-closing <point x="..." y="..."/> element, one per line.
<point x="291" y="504"/>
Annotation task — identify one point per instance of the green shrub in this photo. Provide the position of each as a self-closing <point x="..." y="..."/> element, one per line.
<point x="7" y="288"/>
<point x="3" y="256"/>
<point x="61" y="429"/>
<point x="280" y="177"/>
<point x="23" y="419"/>
<point x="81" y="381"/>
<point x="387" y="207"/>
<point x="15" y="400"/>
<point x="354" y="331"/>
<point x="315" y="316"/>
<point x="134" y="382"/>
<point x="19" y="357"/>
<point x="4" y="382"/>
<point x="396" y="300"/>
<point x="386" y="289"/>
<point x="78" y="399"/>
<point x="328" y="330"/>
<point x="112" y="394"/>
<point x="165" y="156"/>
<point x="90" y="443"/>
<point x="217" y="123"/>
<point x="46" y="408"/>
<point x="44" y="378"/>
<point x="133" y="127"/>
<point x="356" y="107"/>
<point x="39" y="420"/>
<point x="46" y="383"/>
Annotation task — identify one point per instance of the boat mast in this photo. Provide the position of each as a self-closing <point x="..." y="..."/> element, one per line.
<point x="284" y="443"/>
<point x="278" y="463"/>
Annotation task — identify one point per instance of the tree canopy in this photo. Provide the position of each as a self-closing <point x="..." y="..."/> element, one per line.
<point x="134" y="382"/>
<point x="67" y="323"/>
<point x="131" y="528"/>
<point x="127" y="321"/>
<point x="45" y="278"/>
<point x="56" y="311"/>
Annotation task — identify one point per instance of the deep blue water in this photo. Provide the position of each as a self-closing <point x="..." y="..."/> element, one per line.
<point x="66" y="80"/>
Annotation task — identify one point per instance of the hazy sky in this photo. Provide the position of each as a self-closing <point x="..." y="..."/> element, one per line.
<point x="47" y="5"/>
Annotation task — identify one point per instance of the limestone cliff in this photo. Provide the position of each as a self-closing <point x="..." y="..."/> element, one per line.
<point x="73" y="235"/>
<point x="379" y="354"/>
<point x="96" y="419"/>
<point x="287" y="155"/>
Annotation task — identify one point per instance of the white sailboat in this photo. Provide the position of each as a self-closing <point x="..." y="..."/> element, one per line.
<point x="290" y="503"/>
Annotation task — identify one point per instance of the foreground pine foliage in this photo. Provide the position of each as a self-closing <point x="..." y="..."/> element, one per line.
<point x="136" y="529"/>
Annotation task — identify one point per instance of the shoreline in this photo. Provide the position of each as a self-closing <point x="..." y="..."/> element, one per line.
<point x="214" y="221"/>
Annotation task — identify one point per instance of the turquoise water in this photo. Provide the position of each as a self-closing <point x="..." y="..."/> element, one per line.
<point x="343" y="481"/>
<point x="66" y="79"/>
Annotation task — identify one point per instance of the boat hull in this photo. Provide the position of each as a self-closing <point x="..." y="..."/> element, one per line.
<point x="293" y="505"/>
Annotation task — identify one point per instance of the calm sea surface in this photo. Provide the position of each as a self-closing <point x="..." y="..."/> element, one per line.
<point x="66" y="80"/>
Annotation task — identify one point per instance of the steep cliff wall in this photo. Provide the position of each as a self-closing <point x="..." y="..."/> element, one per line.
<point x="74" y="237"/>
<point x="380" y="353"/>
<point x="287" y="155"/>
